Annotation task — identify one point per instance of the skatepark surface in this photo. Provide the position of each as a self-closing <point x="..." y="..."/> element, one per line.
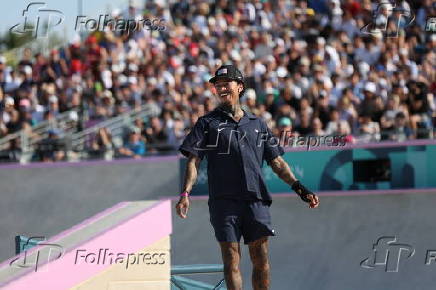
<point x="323" y="249"/>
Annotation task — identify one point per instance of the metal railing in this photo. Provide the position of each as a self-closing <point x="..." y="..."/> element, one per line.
<point x="75" y="141"/>
<point x="38" y="132"/>
<point x="116" y="127"/>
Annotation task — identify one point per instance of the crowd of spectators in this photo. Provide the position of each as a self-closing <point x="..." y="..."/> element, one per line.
<point x="312" y="67"/>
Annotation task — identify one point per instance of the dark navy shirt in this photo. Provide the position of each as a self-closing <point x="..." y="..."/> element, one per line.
<point x="235" y="152"/>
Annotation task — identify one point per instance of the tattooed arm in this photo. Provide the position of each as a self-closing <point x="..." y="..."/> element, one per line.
<point x="281" y="168"/>
<point x="191" y="171"/>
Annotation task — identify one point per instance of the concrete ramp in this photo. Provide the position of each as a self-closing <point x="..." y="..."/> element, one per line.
<point x="124" y="247"/>
<point x="391" y="235"/>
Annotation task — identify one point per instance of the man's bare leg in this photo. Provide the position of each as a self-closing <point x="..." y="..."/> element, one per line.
<point x="259" y="257"/>
<point x="231" y="253"/>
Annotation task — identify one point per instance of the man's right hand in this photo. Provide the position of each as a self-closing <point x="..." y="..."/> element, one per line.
<point x="182" y="207"/>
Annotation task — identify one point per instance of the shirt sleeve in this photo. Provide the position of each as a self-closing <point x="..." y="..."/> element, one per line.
<point x="271" y="148"/>
<point x="195" y="141"/>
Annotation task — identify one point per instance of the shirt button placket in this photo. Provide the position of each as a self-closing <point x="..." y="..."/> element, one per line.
<point x="241" y="159"/>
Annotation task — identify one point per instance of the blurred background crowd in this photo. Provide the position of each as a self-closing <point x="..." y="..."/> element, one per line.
<point x="313" y="68"/>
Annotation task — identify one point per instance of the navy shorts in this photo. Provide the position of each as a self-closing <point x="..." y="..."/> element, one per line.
<point x="232" y="218"/>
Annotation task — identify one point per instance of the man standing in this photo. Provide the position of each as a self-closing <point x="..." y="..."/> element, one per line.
<point x="236" y="143"/>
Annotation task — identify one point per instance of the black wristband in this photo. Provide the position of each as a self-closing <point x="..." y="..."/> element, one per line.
<point x="302" y="191"/>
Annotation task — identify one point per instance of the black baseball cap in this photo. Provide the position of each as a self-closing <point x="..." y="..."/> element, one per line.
<point x="229" y="72"/>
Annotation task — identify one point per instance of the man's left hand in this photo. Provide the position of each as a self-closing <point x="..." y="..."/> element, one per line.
<point x="305" y="194"/>
<point x="314" y="201"/>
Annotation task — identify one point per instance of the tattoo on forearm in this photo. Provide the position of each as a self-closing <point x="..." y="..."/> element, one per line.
<point x="190" y="173"/>
<point x="281" y="168"/>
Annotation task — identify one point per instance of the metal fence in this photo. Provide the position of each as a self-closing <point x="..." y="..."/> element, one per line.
<point x="21" y="146"/>
<point x="26" y="140"/>
<point x="80" y="142"/>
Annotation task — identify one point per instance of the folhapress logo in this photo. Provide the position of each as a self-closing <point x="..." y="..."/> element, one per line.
<point x="45" y="254"/>
<point x="38" y="19"/>
<point x="388" y="19"/>
<point x="387" y="253"/>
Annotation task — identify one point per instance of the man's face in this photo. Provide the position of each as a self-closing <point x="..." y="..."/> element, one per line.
<point x="316" y="124"/>
<point x="285" y="130"/>
<point x="400" y="122"/>
<point x="368" y="94"/>
<point x="228" y="91"/>
<point x="334" y="116"/>
<point x="135" y="137"/>
<point x="343" y="128"/>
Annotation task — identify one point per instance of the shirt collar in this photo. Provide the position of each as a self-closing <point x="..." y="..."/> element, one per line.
<point x="250" y="115"/>
<point x="245" y="118"/>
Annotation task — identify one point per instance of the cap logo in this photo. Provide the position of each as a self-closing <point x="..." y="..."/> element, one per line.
<point x="222" y="71"/>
